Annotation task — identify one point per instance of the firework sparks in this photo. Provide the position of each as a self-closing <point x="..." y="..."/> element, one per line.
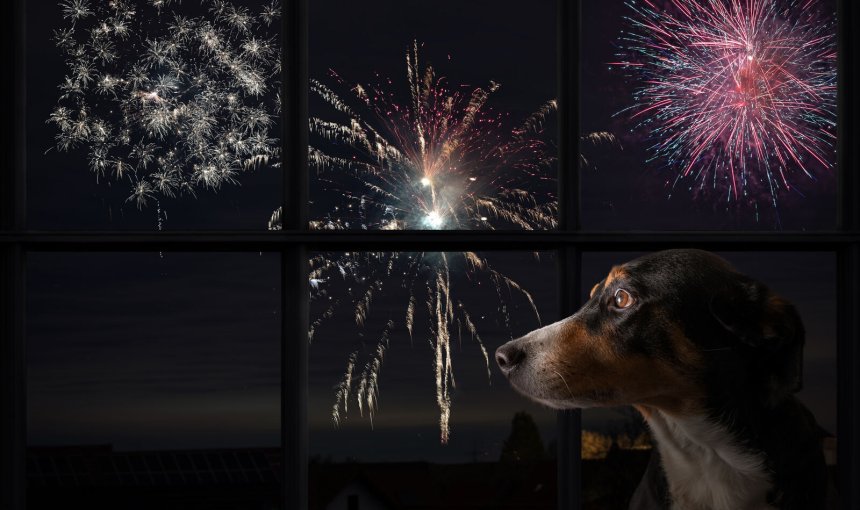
<point x="351" y="280"/>
<point x="169" y="103"/>
<point x="441" y="159"/>
<point x="438" y="159"/>
<point x="738" y="96"/>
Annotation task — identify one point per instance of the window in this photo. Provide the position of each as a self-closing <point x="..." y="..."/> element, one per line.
<point x="48" y="216"/>
<point x="159" y="122"/>
<point x="419" y="416"/>
<point x="726" y="121"/>
<point x="153" y="378"/>
<point x="446" y="115"/>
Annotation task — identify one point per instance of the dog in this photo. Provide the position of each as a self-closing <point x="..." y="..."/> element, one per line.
<point x="711" y="359"/>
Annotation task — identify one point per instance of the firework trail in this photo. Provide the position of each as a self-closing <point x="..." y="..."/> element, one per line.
<point x="167" y="102"/>
<point x="439" y="158"/>
<point x="738" y="96"/>
<point x="349" y="282"/>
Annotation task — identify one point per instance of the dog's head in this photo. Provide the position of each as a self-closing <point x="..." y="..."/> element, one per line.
<point x="671" y="331"/>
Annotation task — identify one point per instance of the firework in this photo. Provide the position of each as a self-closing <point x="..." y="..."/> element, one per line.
<point x="440" y="159"/>
<point x="169" y="103"/>
<point x="737" y="96"/>
<point x="351" y="281"/>
<point x="436" y="158"/>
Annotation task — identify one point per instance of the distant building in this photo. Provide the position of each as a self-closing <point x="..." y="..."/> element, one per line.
<point x="97" y="477"/>
<point x="425" y="486"/>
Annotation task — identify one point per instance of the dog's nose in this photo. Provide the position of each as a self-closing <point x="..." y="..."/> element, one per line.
<point x="509" y="356"/>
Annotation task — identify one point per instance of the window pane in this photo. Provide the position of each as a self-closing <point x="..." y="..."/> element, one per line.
<point x="709" y="114"/>
<point x="616" y="443"/>
<point x="406" y="403"/>
<point x="153" y="115"/>
<point x="153" y="380"/>
<point x="433" y="118"/>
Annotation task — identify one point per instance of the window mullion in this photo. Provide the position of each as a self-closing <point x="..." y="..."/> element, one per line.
<point x="848" y="107"/>
<point x="848" y="380"/>
<point x="294" y="375"/>
<point x="568" y="115"/>
<point x="13" y="184"/>
<point x="294" y="115"/>
<point x="569" y="422"/>
<point x="12" y="379"/>
<point x="12" y="299"/>
<point x="848" y="333"/>
<point x="294" y="259"/>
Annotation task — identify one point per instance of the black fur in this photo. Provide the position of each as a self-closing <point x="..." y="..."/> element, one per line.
<point x="751" y="343"/>
<point x="752" y="346"/>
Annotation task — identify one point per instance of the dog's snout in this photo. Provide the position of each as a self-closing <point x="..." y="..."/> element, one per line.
<point x="509" y="356"/>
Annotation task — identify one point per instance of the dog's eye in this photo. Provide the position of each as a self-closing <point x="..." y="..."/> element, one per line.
<point x="623" y="299"/>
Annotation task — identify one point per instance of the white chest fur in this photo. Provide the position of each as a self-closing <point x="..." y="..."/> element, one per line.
<point x="704" y="467"/>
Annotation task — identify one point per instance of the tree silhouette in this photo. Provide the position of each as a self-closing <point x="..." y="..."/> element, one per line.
<point x="524" y="444"/>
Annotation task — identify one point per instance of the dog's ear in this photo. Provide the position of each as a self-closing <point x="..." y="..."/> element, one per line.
<point x="768" y="324"/>
<point x="784" y="335"/>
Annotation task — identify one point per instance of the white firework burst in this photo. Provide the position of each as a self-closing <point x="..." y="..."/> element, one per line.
<point x="166" y="101"/>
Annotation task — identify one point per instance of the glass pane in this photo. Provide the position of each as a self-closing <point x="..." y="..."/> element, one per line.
<point x="153" y="115"/>
<point x="153" y="380"/>
<point x="406" y="402"/>
<point x="617" y="443"/>
<point x="709" y="114"/>
<point x="433" y="118"/>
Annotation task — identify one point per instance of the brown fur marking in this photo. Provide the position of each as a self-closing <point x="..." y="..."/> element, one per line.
<point x="591" y="368"/>
<point x="685" y="351"/>
<point x="617" y="273"/>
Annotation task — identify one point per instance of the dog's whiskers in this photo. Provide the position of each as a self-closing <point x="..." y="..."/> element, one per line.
<point x="565" y="382"/>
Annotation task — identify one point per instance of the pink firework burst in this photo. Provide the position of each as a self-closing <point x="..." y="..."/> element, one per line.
<point x="737" y="96"/>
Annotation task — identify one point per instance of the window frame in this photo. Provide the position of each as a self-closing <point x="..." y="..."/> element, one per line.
<point x="295" y="241"/>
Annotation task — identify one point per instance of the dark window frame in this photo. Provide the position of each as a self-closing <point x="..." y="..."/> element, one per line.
<point x="294" y="242"/>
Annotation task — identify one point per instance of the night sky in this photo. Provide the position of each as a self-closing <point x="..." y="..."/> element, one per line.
<point x="151" y="352"/>
<point x="174" y="350"/>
